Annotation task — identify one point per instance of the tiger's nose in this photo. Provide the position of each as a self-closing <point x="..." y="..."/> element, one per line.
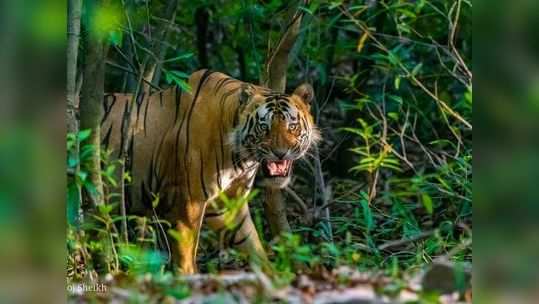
<point x="279" y="153"/>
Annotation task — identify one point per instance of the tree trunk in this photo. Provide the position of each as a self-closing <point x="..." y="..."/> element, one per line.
<point x="274" y="77"/>
<point x="91" y="101"/>
<point x="275" y="211"/>
<point x="73" y="36"/>
<point x="277" y="61"/>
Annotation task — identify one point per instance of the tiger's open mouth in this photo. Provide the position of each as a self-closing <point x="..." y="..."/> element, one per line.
<point x="279" y="168"/>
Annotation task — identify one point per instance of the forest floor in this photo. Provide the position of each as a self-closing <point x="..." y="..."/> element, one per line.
<point x="437" y="284"/>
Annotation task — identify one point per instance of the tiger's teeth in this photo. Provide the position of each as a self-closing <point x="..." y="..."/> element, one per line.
<point x="278" y="168"/>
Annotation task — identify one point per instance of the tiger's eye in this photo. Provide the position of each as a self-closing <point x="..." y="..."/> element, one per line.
<point x="293" y="127"/>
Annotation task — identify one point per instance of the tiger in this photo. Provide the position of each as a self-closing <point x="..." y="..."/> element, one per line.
<point x="189" y="147"/>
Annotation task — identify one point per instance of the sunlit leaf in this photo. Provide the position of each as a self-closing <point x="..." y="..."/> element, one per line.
<point x="427" y="202"/>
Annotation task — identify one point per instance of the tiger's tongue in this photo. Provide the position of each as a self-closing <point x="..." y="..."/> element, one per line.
<point x="278" y="167"/>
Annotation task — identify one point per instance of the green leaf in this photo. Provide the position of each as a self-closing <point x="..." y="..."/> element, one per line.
<point x="175" y="234"/>
<point x="180" y="57"/>
<point x="367" y="214"/>
<point x="468" y="95"/>
<point x="393" y="115"/>
<point x="72" y="161"/>
<point x="176" y="77"/>
<point x="155" y="201"/>
<point x="105" y="209"/>
<point x="73" y="200"/>
<point x="84" y="134"/>
<point x="416" y="69"/>
<point x="179" y="74"/>
<point x="427" y="202"/>
<point x="82" y="175"/>
<point x="116" y="37"/>
<point x="396" y="98"/>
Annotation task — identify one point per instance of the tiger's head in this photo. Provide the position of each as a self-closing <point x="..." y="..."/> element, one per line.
<point x="275" y="130"/>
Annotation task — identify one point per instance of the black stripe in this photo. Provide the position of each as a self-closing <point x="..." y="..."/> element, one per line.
<point x="222" y="143"/>
<point x="178" y="101"/>
<point x="122" y="128"/>
<point x="155" y="165"/>
<point x="218" y="169"/>
<point x="161" y="98"/>
<point x="107" y="107"/>
<point x="202" y="181"/>
<point x="303" y="123"/>
<point x="228" y="94"/>
<point x="130" y="154"/>
<point x="236" y="118"/>
<point x="129" y="168"/>
<point x="155" y="174"/>
<point x="215" y="214"/>
<point x="237" y="144"/>
<point x="106" y="140"/>
<point x="242" y="240"/>
<point x="235" y="231"/>
<point x="139" y="100"/>
<point x="201" y="82"/>
<point x="234" y="159"/>
<point x="221" y="135"/>
<point x="218" y="85"/>
<point x="222" y="83"/>
<point x="145" y="195"/>
<point x="146" y="112"/>
<point x="248" y="125"/>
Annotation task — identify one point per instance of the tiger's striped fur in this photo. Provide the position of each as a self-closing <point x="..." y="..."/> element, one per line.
<point x="187" y="147"/>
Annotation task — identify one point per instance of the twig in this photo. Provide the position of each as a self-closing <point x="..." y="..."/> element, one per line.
<point x="452" y="34"/>
<point x="127" y="70"/>
<point x="298" y="199"/>
<point x="405" y="241"/>
<point x="323" y="190"/>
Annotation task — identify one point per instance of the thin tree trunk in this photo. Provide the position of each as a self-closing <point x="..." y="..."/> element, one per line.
<point x="126" y="128"/>
<point x="201" y="20"/>
<point x="275" y="211"/>
<point x="274" y="77"/>
<point x="91" y="102"/>
<point x="73" y="36"/>
<point x="130" y="79"/>
<point x="324" y="194"/>
<point x="160" y="48"/>
<point x="277" y="61"/>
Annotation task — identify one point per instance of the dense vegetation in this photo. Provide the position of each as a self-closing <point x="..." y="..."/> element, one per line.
<point x="388" y="190"/>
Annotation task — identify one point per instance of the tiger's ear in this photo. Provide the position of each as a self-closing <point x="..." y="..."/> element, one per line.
<point x="305" y="92"/>
<point x="246" y="92"/>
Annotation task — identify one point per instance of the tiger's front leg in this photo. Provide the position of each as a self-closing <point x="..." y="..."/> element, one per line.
<point x="238" y="230"/>
<point x="188" y="225"/>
